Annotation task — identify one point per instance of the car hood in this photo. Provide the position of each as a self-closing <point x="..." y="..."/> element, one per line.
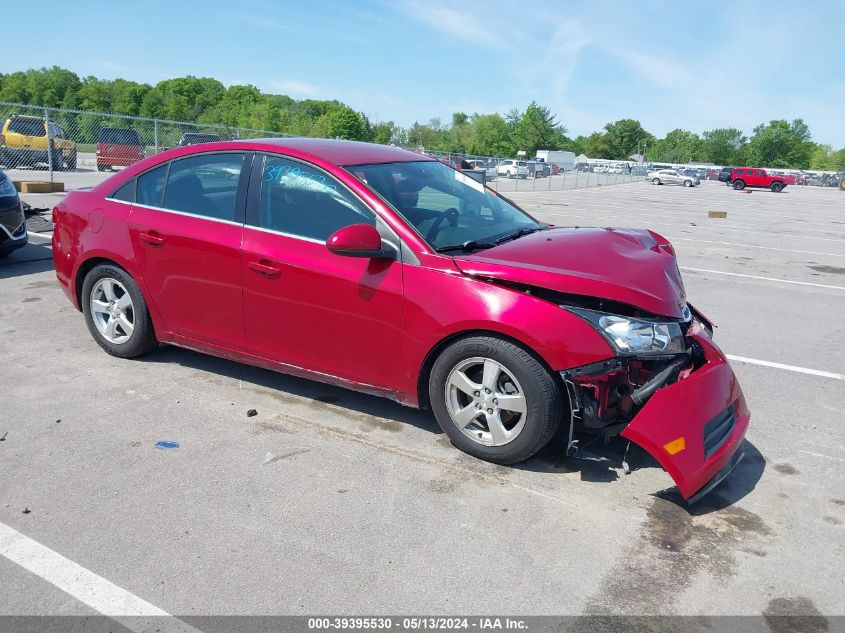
<point x="631" y="266"/>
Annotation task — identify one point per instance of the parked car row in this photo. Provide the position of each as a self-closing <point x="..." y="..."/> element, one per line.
<point x="31" y="141"/>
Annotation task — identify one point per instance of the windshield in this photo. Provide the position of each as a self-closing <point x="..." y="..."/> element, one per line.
<point x="447" y="208"/>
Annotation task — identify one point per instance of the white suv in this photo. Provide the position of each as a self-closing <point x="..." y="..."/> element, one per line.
<point x="512" y="169"/>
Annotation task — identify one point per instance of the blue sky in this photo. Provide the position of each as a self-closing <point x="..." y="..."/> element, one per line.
<point x="695" y="65"/>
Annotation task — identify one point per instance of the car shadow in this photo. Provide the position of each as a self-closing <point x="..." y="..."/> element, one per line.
<point x="286" y="385"/>
<point x="32" y="258"/>
<point x="600" y="461"/>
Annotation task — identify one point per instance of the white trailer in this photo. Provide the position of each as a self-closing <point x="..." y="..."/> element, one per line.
<point x="564" y="160"/>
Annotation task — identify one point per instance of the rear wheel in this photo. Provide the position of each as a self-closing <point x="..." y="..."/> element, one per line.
<point x="116" y="313"/>
<point x="739" y="185"/>
<point x="494" y="400"/>
<point x="777" y="187"/>
<point x="655" y="181"/>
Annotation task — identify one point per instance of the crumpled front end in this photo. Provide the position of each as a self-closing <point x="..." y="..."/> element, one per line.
<point x="687" y="410"/>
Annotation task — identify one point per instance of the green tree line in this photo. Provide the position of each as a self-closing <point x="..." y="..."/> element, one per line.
<point x="778" y="143"/>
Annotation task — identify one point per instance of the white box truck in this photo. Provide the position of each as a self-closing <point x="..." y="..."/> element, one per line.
<point x="564" y="160"/>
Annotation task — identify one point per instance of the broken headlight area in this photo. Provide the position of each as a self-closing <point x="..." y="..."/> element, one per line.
<point x="604" y="397"/>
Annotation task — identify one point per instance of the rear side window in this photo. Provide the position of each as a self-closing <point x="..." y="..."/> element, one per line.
<point x="28" y="126"/>
<point x="303" y="201"/>
<point x="125" y="192"/>
<point x="150" y="186"/>
<point x="759" y="172"/>
<point x="205" y="185"/>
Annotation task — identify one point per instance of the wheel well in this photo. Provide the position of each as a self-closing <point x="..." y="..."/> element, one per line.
<point x="434" y="352"/>
<point x="85" y="268"/>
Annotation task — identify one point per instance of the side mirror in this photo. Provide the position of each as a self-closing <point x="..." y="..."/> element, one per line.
<point x="359" y="240"/>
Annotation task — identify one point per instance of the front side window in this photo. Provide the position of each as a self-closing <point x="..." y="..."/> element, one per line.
<point x="303" y="201"/>
<point x="151" y="186"/>
<point x="447" y="208"/>
<point x="205" y="185"/>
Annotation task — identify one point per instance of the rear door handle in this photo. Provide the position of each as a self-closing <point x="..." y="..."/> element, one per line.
<point x="265" y="269"/>
<point x="152" y="238"/>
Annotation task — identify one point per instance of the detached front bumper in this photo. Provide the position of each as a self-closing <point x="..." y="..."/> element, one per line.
<point x="695" y="426"/>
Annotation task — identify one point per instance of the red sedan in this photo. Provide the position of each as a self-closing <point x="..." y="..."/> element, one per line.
<point x="377" y="269"/>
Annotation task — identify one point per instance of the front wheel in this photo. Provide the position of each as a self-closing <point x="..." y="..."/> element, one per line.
<point x="655" y="181"/>
<point x="688" y="183"/>
<point x="116" y="313"/>
<point x="494" y="400"/>
<point x="777" y="187"/>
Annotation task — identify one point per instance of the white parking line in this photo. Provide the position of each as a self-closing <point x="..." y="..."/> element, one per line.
<point x="782" y="281"/>
<point x="92" y="590"/>
<point x="46" y="235"/>
<point x="765" y="248"/>
<point x="800" y="370"/>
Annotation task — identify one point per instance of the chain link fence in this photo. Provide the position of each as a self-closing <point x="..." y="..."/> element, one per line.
<point x="78" y="148"/>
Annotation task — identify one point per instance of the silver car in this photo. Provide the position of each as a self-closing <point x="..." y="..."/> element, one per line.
<point x="671" y="177"/>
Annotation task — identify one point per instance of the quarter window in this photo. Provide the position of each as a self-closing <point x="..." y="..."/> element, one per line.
<point x="205" y="185"/>
<point x="303" y="201"/>
<point x="151" y="185"/>
<point x="125" y="192"/>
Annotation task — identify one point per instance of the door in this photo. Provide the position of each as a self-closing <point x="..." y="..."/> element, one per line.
<point x="186" y="228"/>
<point x="303" y="305"/>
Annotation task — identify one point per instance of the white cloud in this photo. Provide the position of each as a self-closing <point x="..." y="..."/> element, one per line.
<point x="464" y="26"/>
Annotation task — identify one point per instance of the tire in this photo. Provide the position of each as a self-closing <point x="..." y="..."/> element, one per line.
<point x="739" y="185"/>
<point x="103" y="167"/>
<point x="510" y="174"/>
<point x="142" y="338"/>
<point x="777" y="187"/>
<point x="688" y="183"/>
<point x="655" y="181"/>
<point x="515" y="435"/>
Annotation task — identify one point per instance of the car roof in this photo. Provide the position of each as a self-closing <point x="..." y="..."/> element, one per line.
<point x="346" y="152"/>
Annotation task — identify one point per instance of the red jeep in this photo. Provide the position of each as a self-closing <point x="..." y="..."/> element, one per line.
<point x="742" y="177"/>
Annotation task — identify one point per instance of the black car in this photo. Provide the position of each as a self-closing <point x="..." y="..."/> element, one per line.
<point x="12" y="220"/>
<point x="725" y="175"/>
<point x="195" y="138"/>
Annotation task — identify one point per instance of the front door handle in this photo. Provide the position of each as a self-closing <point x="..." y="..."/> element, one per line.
<point x="265" y="269"/>
<point x="152" y="238"/>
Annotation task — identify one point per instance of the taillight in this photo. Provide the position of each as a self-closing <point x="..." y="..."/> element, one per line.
<point x="54" y="215"/>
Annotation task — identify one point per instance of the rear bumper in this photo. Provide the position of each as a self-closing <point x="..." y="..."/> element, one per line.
<point x="21" y="156"/>
<point x="708" y="410"/>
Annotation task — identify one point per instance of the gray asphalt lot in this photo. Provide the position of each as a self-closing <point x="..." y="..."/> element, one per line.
<point x="329" y="501"/>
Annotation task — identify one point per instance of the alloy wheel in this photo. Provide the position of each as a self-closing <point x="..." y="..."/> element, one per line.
<point x="485" y="401"/>
<point x="112" y="310"/>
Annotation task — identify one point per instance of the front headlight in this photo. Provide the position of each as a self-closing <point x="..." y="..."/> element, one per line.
<point x="636" y="336"/>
